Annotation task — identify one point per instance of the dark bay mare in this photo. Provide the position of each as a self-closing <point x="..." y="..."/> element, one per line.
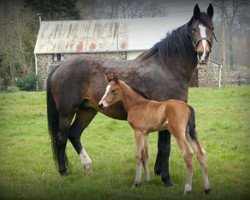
<point x="76" y="86"/>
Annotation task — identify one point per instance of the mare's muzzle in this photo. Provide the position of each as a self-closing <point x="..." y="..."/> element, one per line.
<point x="202" y="53"/>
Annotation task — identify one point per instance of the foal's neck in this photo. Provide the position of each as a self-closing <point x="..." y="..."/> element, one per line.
<point x="130" y="98"/>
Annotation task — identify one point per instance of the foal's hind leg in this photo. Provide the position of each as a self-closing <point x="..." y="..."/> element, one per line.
<point x="201" y="155"/>
<point x="82" y="119"/>
<point x="188" y="157"/>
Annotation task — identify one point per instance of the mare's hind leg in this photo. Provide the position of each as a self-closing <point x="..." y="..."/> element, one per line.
<point x="64" y="126"/>
<point x="162" y="159"/>
<point x="82" y="119"/>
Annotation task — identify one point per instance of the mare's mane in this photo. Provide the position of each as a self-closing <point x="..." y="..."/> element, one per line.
<point x="138" y="92"/>
<point x="176" y="42"/>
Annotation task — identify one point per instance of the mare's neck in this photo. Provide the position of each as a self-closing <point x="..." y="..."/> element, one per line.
<point x="178" y="52"/>
<point x="130" y="98"/>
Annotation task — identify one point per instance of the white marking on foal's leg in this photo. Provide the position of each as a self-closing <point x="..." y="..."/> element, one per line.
<point x="146" y="167"/>
<point x="139" y="138"/>
<point x="188" y="188"/>
<point x="137" y="173"/>
<point x="85" y="160"/>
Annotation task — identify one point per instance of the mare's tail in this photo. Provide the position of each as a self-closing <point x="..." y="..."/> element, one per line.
<point x="53" y="119"/>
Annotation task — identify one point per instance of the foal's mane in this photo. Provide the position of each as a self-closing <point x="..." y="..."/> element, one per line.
<point x="176" y="42"/>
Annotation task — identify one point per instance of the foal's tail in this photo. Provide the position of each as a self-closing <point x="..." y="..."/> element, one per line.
<point x="53" y="118"/>
<point x="191" y="124"/>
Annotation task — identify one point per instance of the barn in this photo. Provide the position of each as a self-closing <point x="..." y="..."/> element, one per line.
<point x="121" y="39"/>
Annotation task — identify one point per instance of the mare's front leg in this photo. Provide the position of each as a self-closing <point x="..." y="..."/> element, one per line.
<point x="162" y="159"/>
<point x="139" y="140"/>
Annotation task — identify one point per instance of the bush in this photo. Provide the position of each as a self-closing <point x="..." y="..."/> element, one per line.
<point x="12" y="89"/>
<point x="27" y="83"/>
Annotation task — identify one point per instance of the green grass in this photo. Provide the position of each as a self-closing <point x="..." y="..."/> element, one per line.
<point x="27" y="170"/>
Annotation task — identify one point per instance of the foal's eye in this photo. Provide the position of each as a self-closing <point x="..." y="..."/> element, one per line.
<point x="113" y="92"/>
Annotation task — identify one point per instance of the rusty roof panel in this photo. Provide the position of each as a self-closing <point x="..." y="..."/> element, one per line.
<point x="102" y="35"/>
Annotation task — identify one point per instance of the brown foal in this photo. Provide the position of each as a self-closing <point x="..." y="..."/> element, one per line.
<point x="146" y="116"/>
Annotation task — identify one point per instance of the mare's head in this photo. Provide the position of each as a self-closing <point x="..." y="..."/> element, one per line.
<point x="112" y="94"/>
<point x="202" y="32"/>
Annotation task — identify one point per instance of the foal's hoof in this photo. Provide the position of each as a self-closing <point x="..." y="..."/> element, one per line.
<point x="187" y="192"/>
<point x="135" y="185"/>
<point x="206" y="191"/>
<point x="188" y="189"/>
<point x="167" y="182"/>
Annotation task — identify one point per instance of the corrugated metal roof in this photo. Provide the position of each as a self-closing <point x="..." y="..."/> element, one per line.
<point x="103" y="35"/>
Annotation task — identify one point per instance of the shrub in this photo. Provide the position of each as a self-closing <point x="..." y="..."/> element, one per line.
<point x="27" y="83"/>
<point x="12" y="89"/>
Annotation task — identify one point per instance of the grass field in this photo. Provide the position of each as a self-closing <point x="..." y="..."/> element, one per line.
<point x="27" y="170"/>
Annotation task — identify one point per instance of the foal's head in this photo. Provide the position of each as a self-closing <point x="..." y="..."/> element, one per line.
<point x="202" y="32"/>
<point x="112" y="94"/>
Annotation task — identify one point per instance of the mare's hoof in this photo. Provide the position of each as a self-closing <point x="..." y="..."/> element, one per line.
<point x="167" y="182"/>
<point x="64" y="173"/>
<point x="206" y="191"/>
<point x="157" y="171"/>
<point x="88" y="169"/>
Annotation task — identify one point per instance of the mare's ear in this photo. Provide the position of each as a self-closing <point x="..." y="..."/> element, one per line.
<point x="197" y="11"/>
<point x="210" y="11"/>
<point x="116" y="79"/>
<point x="108" y="77"/>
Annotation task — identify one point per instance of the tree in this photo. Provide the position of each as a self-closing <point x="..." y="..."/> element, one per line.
<point x="230" y="14"/>
<point x="54" y="9"/>
<point x="13" y="25"/>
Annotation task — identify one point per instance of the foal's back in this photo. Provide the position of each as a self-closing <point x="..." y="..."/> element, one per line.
<point x="150" y="115"/>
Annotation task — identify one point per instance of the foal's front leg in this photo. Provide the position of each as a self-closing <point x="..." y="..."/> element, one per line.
<point x="139" y="140"/>
<point x="145" y="158"/>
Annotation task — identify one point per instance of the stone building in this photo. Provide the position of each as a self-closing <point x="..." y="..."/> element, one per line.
<point x="113" y="38"/>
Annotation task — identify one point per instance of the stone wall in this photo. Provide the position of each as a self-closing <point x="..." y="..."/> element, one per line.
<point x="43" y="68"/>
<point x="45" y="63"/>
<point x="238" y="78"/>
<point x="208" y="75"/>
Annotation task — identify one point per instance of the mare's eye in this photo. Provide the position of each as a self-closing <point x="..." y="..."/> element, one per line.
<point x="113" y="92"/>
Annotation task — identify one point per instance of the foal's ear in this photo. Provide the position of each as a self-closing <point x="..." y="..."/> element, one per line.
<point x="116" y="79"/>
<point x="197" y="11"/>
<point x="210" y="11"/>
<point x="108" y="77"/>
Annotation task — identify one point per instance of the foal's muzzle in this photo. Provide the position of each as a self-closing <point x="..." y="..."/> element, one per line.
<point x="101" y="106"/>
